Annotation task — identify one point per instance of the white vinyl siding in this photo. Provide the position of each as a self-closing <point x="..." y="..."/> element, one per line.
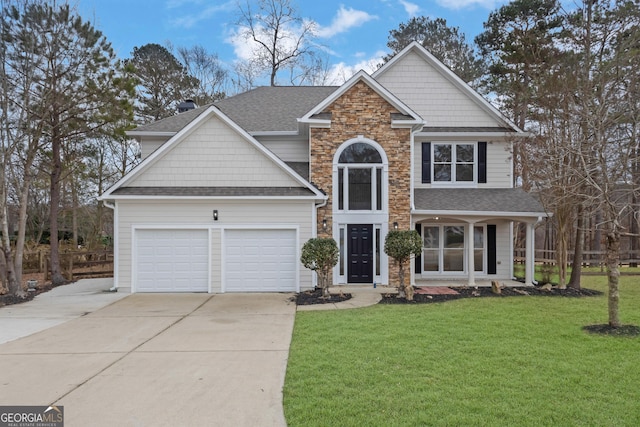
<point x="504" y="257"/>
<point x="288" y="149"/>
<point x="199" y="214"/>
<point x="499" y="171"/>
<point x="431" y="95"/>
<point x="150" y="144"/>
<point x="214" y="154"/>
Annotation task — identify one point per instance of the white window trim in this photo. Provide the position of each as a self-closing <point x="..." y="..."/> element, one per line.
<point x="379" y="274"/>
<point x="384" y="166"/>
<point x="454" y="182"/>
<point x="468" y="240"/>
<point x="378" y="218"/>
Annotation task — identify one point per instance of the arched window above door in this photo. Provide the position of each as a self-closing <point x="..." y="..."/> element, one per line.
<point x="360" y="152"/>
<point x="360" y="167"/>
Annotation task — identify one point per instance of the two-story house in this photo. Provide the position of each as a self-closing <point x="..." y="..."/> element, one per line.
<point x="227" y="194"/>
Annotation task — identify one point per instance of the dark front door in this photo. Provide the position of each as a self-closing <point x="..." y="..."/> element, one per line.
<point x="360" y="269"/>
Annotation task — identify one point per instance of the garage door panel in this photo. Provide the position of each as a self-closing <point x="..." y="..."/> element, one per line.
<point x="172" y="261"/>
<point x="260" y="260"/>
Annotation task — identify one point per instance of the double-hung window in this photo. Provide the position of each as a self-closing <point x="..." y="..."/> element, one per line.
<point x="454" y="162"/>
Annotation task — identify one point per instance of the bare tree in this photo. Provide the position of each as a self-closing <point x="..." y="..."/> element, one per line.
<point x="282" y="39"/>
<point x="586" y="119"/>
<point x="208" y="71"/>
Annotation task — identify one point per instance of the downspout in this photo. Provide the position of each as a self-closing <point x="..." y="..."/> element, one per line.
<point x="112" y="206"/>
<point x="412" y="205"/>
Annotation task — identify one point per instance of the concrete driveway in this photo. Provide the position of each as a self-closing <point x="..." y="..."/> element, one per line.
<point x="159" y="359"/>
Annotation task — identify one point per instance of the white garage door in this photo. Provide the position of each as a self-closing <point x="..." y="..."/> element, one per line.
<point x="172" y="261"/>
<point x="260" y="260"/>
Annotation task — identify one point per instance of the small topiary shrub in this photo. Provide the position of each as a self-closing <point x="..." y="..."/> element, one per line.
<point x="321" y="255"/>
<point x="401" y="245"/>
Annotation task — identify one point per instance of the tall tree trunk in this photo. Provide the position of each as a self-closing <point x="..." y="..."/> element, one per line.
<point x="13" y="285"/>
<point x="562" y="247"/>
<point x="56" y="172"/>
<point x="576" y="267"/>
<point x="613" y="275"/>
<point x="74" y="211"/>
<point x="24" y="204"/>
<point x="597" y="238"/>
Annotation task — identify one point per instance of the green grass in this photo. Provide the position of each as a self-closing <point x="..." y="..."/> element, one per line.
<point x="474" y="362"/>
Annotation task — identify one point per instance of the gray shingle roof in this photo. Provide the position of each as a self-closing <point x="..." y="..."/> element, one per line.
<point x="173" y="123"/>
<point x="264" y="109"/>
<point x="477" y="199"/>
<point x="270" y="109"/>
<point x="301" y="168"/>
<point x="214" y="191"/>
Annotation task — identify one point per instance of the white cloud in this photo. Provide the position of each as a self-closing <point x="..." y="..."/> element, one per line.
<point x="242" y="48"/>
<point x="459" y="4"/>
<point x="245" y="48"/>
<point x="342" y="72"/>
<point x="189" y="20"/>
<point x="345" y="19"/>
<point x="412" y="9"/>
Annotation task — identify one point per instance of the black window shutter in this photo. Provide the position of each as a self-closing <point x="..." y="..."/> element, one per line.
<point x="491" y="249"/>
<point x="482" y="162"/>
<point x="426" y="162"/>
<point x="418" y="259"/>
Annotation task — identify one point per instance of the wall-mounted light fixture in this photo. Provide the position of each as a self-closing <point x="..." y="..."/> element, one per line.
<point x="395" y="225"/>
<point x="215" y="214"/>
<point x="324" y="223"/>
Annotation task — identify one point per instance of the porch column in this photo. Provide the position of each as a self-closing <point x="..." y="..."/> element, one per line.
<point x="529" y="254"/>
<point x="471" y="279"/>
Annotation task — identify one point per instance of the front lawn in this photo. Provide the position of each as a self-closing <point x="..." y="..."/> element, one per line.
<point x="512" y="361"/>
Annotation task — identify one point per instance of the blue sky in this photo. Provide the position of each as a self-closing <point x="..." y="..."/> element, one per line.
<point x="354" y="33"/>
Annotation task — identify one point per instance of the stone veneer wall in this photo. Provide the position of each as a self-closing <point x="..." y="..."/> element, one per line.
<point x="361" y="111"/>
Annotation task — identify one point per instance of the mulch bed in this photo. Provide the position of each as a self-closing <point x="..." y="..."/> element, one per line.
<point x="12" y="299"/>
<point x="476" y="292"/>
<point x="606" y="329"/>
<point x="315" y="297"/>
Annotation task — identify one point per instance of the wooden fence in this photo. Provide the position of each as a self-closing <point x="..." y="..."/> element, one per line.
<point x="589" y="258"/>
<point x="75" y="264"/>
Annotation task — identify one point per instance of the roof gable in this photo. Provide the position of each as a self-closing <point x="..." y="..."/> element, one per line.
<point x="212" y="151"/>
<point x="405" y="117"/>
<point x="436" y="93"/>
